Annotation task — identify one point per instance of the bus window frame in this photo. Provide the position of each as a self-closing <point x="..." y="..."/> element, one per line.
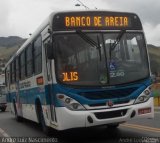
<point x="39" y="54"/>
<point x="30" y="60"/>
<point x="24" y="65"/>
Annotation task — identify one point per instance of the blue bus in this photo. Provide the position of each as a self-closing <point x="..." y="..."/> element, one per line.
<point x="82" y="69"/>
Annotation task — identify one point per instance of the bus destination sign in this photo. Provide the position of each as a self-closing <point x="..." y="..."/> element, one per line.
<point x="97" y="21"/>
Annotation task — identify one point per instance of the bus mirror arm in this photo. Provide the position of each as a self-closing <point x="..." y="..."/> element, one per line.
<point x="49" y="49"/>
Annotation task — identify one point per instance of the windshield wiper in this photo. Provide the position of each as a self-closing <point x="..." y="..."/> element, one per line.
<point x="90" y="41"/>
<point x="118" y="38"/>
<point x="99" y="48"/>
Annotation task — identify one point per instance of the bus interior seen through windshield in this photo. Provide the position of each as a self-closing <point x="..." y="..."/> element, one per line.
<point x="98" y="59"/>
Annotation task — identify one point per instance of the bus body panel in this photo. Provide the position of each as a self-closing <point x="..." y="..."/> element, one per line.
<point x="79" y="119"/>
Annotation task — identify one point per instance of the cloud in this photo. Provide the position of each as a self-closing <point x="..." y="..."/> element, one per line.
<point x="4" y="17"/>
<point x="21" y="17"/>
<point x="26" y="15"/>
<point x="148" y="10"/>
<point x="152" y="33"/>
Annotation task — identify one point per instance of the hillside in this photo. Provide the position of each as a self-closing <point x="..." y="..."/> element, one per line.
<point x="11" y="41"/>
<point x="8" y="46"/>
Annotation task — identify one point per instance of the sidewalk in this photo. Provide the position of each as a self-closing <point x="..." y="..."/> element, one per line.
<point x="157" y="109"/>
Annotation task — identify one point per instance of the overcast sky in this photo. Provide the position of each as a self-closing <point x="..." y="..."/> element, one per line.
<point x="21" y="17"/>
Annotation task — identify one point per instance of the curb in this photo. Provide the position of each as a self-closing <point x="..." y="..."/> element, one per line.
<point x="157" y="109"/>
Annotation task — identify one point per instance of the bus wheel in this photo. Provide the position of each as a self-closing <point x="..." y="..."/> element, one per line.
<point x="41" y="119"/>
<point x="113" y="126"/>
<point x="18" y="118"/>
<point x="3" y="109"/>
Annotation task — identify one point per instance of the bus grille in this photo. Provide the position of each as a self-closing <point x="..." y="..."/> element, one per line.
<point x="108" y="94"/>
<point x="111" y="114"/>
<point x="104" y="104"/>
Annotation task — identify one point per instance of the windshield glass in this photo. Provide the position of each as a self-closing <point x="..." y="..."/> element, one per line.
<point x="81" y="62"/>
<point x="2" y="89"/>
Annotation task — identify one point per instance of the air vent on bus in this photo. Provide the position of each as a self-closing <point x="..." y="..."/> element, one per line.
<point x="108" y="94"/>
<point x="111" y="114"/>
<point x="104" y="104"/>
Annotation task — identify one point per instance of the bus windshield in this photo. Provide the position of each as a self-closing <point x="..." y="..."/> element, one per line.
<point x="2" y="90"/>
<point x="95" y="59"/>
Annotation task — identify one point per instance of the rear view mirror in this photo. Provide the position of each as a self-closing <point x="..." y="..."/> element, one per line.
<point x="49" y="50"/>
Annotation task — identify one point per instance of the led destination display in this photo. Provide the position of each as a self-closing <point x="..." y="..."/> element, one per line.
<point x="96" y="21"/>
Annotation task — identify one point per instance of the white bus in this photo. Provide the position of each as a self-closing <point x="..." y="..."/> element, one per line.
<point x="82" y="69"/>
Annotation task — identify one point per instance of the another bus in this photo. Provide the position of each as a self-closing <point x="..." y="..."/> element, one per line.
<point x="3" y="101"/>
<point x="82" y="69"/>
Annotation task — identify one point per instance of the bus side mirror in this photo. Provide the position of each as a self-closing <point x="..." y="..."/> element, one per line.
<point x="49" y="51"/>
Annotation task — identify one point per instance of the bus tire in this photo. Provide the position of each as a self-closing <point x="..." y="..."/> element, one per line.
<point x="41" y="119"/>
<point x="3" y="109"/>
<point x="18" y="118"/>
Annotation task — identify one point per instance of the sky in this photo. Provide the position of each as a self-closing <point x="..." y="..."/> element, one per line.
<point x="22" y="17"/>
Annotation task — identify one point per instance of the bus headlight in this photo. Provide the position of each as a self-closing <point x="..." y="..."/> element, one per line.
<point x="69" y="102"/>
<point x="144" y="96"/>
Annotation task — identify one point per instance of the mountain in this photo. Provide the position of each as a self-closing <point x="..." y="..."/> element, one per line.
<point x="9" y="45"/>
<point x="11" y="41"/>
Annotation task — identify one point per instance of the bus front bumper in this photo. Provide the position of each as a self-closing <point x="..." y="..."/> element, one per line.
<point x="74" y="119"/>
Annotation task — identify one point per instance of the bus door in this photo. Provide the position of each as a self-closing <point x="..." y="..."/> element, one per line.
<point x="19" y="104"/>
<point x="17" y="90"/>
<point x="50" y="77"/>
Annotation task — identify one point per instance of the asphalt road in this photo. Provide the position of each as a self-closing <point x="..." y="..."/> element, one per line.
<point x="135" y="131"/>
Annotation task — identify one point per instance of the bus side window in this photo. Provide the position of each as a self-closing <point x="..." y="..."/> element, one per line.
<point x="22" y="65"/>
<point x="12" y="73"/>
<point x="37" y="54"/>
<point x="29" y="61"/>
<point x="7" y="76"/>
<point x="17" y="69"/>
<point x="48" y="62"/>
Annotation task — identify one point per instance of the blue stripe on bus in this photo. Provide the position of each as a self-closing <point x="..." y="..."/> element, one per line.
<point x="43" y="93"/>
<point x="28" y="96"/>
<point x="74" y="93"/>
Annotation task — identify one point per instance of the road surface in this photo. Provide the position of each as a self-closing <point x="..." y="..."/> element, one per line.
<point x="134" y="131"/>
